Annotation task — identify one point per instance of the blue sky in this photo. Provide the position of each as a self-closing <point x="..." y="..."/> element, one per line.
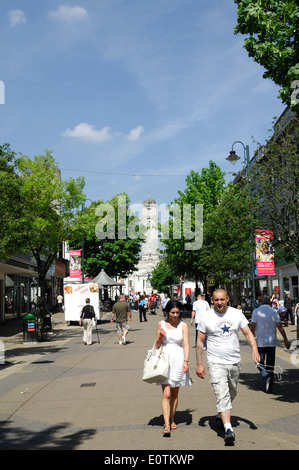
<point x="130" y="94"/>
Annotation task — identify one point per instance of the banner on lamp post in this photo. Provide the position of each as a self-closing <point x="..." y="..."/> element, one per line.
<point x="75" y="263"/>
<point x="264" y="253"/>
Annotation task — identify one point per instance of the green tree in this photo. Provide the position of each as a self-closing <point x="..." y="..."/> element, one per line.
<point x="228" y="235"/>
<point x="114" y="249"/>
<point x="202" y="193"/>
<point x="272" y="26"/>
<point x="47" y="211"/>
<point x="162" y="277"/>
<point x="10" y="203"/>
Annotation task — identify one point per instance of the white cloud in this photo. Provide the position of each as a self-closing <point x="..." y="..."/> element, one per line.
<point x="88" y="133"/>
<point x="136" y="133"/>
<point x="68" y="14"/>
<point x="16" y="17"/>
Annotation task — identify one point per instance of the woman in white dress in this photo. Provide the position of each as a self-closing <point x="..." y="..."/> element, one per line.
<point x="173" y="334"/>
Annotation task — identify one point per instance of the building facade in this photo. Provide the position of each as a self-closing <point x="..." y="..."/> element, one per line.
<point x="17" y="281"/>
<point x="19" y="285"/>
<point x="285" y="280"/>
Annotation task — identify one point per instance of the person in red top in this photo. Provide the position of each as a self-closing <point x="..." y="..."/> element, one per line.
<point x="152" y="304"/>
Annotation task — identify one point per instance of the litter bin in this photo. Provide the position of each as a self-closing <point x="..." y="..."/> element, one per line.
<point x="48" y="321"/>
<point x="29" y="329"/>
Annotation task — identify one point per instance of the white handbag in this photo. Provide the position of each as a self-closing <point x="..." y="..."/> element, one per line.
<point x="156" y="366"/>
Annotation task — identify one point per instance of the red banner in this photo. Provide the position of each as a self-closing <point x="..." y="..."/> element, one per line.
<point x="75" y="263"/>
<point x="264" y="253"/>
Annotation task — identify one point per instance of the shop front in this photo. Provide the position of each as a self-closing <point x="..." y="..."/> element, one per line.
<point x="284" y="281"/>
<point x="16" y="286"/>
<point x="60" y="271"/>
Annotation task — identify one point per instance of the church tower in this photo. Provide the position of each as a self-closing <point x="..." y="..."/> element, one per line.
<point x="139" y="281"/>
<point x="149" y="219"/>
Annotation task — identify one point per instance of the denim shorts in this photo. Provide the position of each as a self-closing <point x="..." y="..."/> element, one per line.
<point x="224" y="379"/>
<point x="121" y="327"/>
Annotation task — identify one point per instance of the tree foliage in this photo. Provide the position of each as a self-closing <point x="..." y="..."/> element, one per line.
<point x="228" y="235"/>
<point x="162" y="277"/>
<point x="116" y="252"/>
<point x="10" y="203"/>
<point x="45" y="207"/>
<point x="272" y="26"/>
<point x="205" y="191"/>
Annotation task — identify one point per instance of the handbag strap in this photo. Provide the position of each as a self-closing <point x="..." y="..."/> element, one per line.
<point x="154" y="349"/>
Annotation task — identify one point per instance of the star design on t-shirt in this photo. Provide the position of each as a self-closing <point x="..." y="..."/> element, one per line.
<point x="225" y="329"/>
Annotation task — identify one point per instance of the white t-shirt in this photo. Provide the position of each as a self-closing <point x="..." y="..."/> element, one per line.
<point x="265" y="318"/>
<point x="164" y="302"/>
<point x="199" y="307"/>
<point x="222" y="331"/>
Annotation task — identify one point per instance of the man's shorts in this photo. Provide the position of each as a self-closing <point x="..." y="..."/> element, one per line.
<point x="224" y="379"/>
<point x="121" y="327"/>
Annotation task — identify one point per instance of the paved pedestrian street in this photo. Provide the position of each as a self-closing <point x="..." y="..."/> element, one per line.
<point x="64" y="395"/>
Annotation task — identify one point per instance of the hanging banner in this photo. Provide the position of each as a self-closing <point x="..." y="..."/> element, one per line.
<point x="264" y="253"/>
<point x="75" y="263"/>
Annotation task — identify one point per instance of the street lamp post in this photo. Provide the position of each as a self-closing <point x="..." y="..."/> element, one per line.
<point x="233" y="158"/>
<point x="82" y="251"/>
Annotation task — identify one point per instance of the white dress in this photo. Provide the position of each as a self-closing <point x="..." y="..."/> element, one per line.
<point x="173" y="347"/>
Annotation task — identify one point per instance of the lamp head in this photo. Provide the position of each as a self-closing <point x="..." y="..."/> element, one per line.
<point x="233" y="158"/>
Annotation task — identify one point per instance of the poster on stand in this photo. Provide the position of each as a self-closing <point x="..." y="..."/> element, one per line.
<point x="264" y="253"/>
<point x="75" y="296"/>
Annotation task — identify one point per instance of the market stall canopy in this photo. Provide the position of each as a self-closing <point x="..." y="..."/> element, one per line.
<point x="102" y="279"/>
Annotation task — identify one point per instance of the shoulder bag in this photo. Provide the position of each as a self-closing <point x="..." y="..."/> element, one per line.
<point x="156" y="366"/>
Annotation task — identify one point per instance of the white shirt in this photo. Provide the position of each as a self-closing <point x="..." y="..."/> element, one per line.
<point x="222" y="332"/>
<point x="265" y="318"/>
<point x="199" y="307"/>
<point x="164" y="301"/>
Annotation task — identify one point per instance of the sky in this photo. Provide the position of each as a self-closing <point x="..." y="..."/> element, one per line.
<point x="131" y="94"/>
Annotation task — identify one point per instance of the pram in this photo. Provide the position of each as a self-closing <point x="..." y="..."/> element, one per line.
<point x="152" y="306"/>
<point x="282" y="311"/>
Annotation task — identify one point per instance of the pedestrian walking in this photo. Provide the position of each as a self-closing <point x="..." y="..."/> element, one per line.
<point x="199" y="307"/>
<point x="173" y="334"/>
<point x="221" y="326"/>
<point x="142" y="309"/>
<point x="264" y="322"/>
<point x="274" y="301"/>
<point x="164" y="301"/>
<point x="289" y="306"/>
<point x="59" y="302"/>
<point x="87" y="316"/>
<point x="121" y="311"/>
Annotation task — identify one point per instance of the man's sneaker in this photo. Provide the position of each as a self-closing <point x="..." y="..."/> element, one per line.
<point x="229" y="438"/>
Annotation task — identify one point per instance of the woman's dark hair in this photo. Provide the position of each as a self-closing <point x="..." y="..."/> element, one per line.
<point x="173" y="304"/>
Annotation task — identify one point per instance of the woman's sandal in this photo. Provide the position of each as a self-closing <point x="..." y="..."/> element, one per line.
<point x="173" y="426"/>
<point x="166" y="430"/>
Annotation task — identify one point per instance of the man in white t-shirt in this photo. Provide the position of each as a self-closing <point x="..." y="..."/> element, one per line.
<point x="199" y="307"/>
<point x="264" y="322"/>
<point x="221" y="326"/>
<point x="165" y="299"/>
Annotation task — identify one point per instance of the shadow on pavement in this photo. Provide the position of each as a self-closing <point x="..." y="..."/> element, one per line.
<point x="52" y="438"/>
<point x="286" y="389"/>
<point x="181" y="417"/>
